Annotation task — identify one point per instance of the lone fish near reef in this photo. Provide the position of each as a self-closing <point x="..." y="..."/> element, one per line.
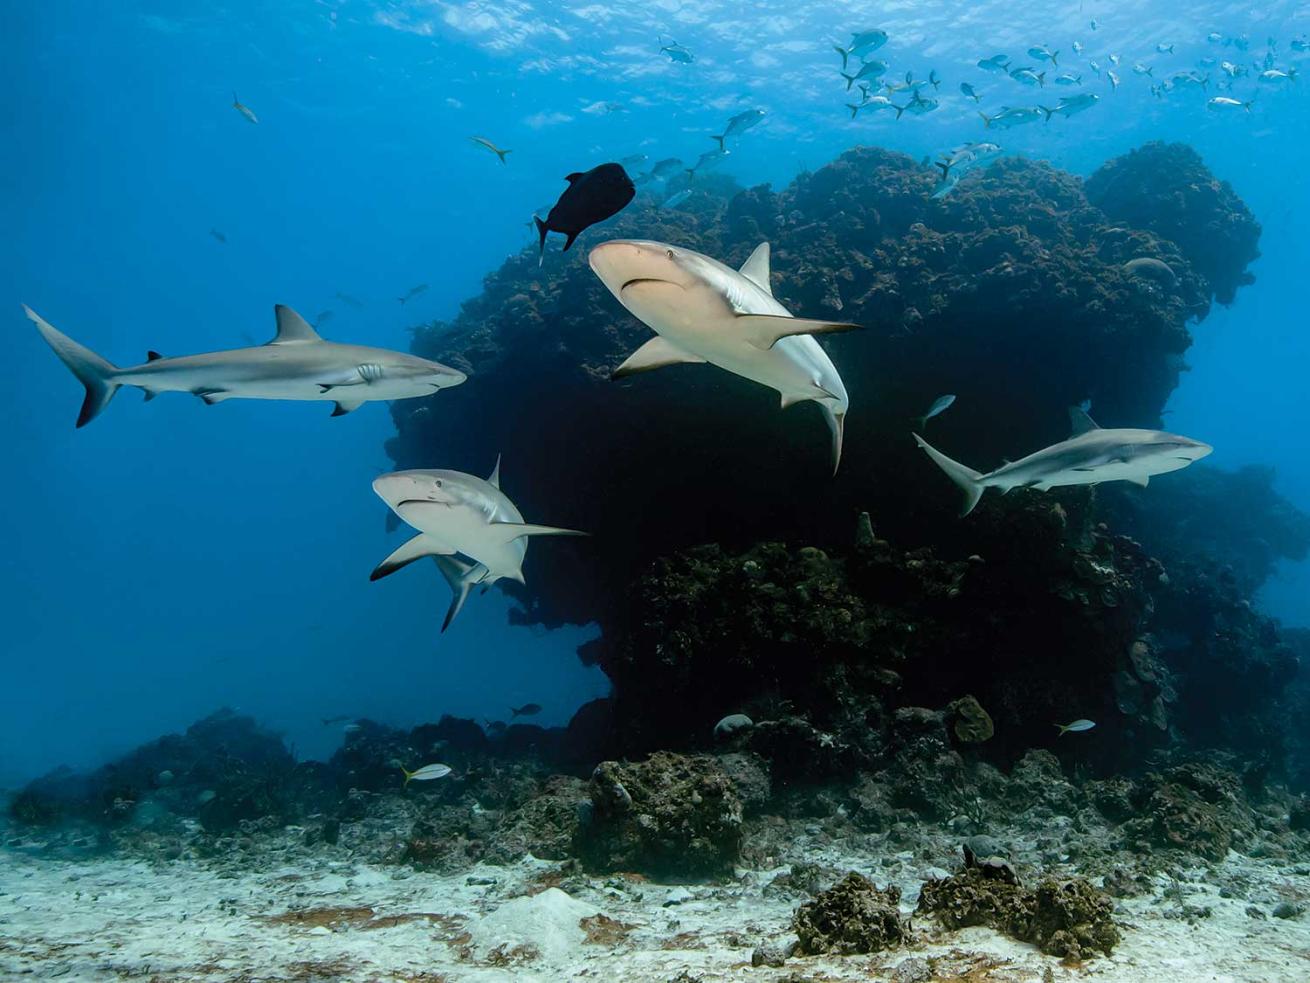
<point x="488" y="145"/>
<point x="527" y="710"/>
<point x="1077" y="727"/>
<point x="592" y="196"/>
<point x="243" y="109"/>
<point x="426" y="774"/>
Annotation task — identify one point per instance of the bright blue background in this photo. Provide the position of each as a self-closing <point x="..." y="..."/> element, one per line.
<point x="172" y="558"/>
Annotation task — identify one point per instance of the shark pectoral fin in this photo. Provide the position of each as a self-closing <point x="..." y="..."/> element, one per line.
<point x="494" y="480"/>
<point x="461" y="576"/>
<point x="212" y="396"/>
<point x="510" y="531"/>
<point x="654" y="354"/>
<point x="420" y="546"/>
<point x="765" y="330"/>
<point x="346" y="404"/>
<point x="150" y="394"/>
<point x="756" y="268"/>
<point x="1141" y="482"/>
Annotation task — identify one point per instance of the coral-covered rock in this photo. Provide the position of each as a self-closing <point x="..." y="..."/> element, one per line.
<point x="965" y="294"/>
<point x="1166" y="188"/>
<point x="852" y="916"/>
<point x="1197" y="808"/>
<point x="670" y="816"/>
<point x="545" y="825"/>
<point x="970" y="723"/>
<point x="223" y="770"/>
<point x="1062" y="916"/>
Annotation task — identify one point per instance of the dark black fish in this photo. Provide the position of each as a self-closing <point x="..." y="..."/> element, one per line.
<point x="527" y="710"/>
<point x="591" y="197"/>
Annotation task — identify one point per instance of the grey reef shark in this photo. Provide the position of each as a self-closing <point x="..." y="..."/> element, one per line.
<point x="703" y="311"/>
<point x="466" y="523"/>
<point x="1091" y="455"/>
<point x="296" y="364"/>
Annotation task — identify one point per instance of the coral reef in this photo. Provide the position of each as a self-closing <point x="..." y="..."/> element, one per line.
<point x="1166" y="188"/>
<point x="1062" y="916"/>
<point x="670" y="816"/>
<point x="852" y="916"/>
<point x="1010" y="293"/>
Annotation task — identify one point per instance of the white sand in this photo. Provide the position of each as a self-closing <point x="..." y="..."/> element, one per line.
<point x="112" y="919"/>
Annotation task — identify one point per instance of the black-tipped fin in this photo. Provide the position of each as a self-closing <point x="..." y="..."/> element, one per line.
<point x="765" y="330"/>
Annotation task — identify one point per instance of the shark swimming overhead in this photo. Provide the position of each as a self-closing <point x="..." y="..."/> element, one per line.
<point x="704" y="311"/>
<point x="1091" y="455"/>
<point x="467" y="524"/>
<point x="296" y="364"/>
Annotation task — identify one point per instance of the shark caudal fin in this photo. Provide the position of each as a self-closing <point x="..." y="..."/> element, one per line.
<point x="461" y="576"/>
<point x="969" y="480"/>
<point x="541" y="229"/>
<point x="837" y="424"/>
<point x="91" y="370"/>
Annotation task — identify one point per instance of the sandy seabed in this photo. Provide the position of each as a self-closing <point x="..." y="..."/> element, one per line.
<point x="333" y="920"/>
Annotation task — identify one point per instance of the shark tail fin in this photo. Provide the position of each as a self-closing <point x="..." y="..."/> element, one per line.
<point x="968" y="479"/>
<point x="461" y="576"/>
<point x="91" y="370"/>
<point x="837" y="424"/>
<point x="541" y="229"/>
<point x="501" y="154"/>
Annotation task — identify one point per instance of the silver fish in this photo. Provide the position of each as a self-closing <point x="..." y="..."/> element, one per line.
<point x="1077" y="727"/>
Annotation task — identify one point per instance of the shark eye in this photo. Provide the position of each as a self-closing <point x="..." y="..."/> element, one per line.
<point x="439" y="485"/>
<point x="668" y="253"/>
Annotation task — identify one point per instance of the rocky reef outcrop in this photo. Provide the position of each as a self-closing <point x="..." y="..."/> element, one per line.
<point x="670" y="816"/>
<point x="722" y="568"/>
<point x="1167" y="189"/>
<point x="853" y="916"/>
<point x="1010" y="293"/>
<point x="1064" y="917"/>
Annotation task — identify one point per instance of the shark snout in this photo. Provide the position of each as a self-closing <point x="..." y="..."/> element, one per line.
<point x="443" y="376"/>
<point x="621" y="261"/>
<point x="401" y="487"/>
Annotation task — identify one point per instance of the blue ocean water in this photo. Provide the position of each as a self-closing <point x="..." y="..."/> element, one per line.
<point x="172" y="558"/>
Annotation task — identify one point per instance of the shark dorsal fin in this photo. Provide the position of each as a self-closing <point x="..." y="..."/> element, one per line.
<point x="494" y="480"/>
<point x="756" y="268"/>
<point x="153" y="356"/>
<point x="1080" y="422"/>
<point x="291" y="327"/>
